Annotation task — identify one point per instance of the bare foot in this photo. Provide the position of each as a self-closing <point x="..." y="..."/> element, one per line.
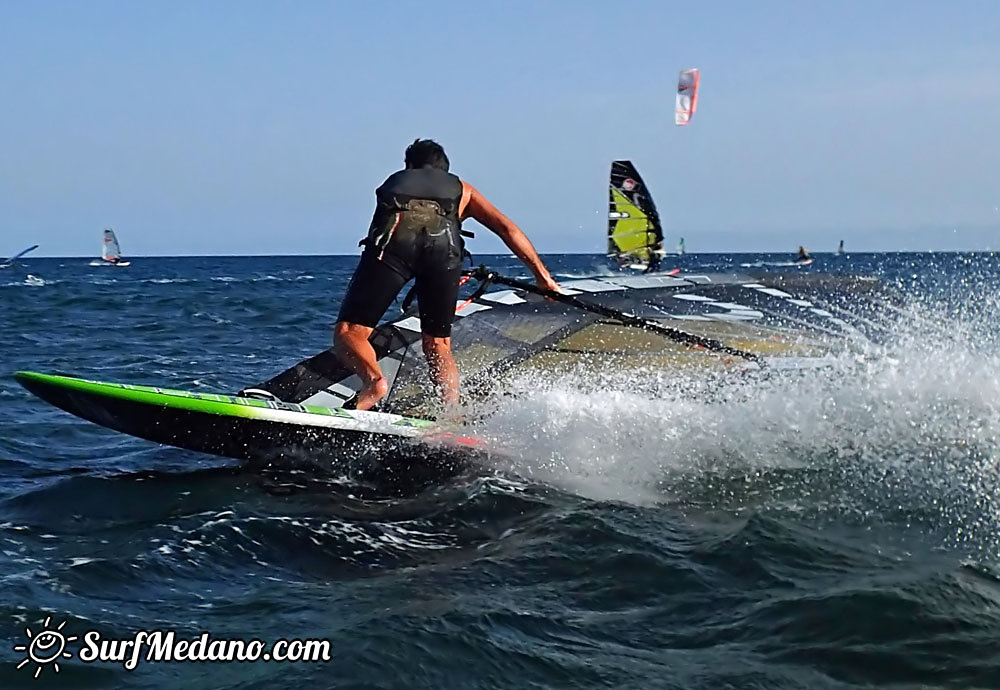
<point x="371" y="393"/>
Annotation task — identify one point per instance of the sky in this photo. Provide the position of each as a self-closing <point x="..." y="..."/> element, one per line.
<point x="250" y="127"/>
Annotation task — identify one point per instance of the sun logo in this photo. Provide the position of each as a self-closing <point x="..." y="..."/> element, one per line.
<point x="47" y="647"/>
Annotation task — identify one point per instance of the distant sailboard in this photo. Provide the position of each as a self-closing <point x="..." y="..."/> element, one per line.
<point x="687" y="96"/>
<point x="111" y="253"/>
<point x="635" y="234"/>
<point x="13" y="260"/>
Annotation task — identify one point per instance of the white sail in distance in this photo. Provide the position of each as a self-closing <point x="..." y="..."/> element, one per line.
<point x="687" y="96"/>
<point x="110" y="251"/>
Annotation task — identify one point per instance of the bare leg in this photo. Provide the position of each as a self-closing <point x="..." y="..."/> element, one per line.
<point x="443" y="370"/>
<point x="350" y="342"/>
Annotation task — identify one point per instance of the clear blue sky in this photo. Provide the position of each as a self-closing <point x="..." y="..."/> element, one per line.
<point x="250" y="127"/>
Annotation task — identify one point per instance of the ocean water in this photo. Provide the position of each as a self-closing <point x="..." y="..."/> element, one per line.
<point x="839" y="530"/>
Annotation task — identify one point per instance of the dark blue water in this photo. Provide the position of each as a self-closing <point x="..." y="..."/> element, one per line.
<point x="834" y="531"/>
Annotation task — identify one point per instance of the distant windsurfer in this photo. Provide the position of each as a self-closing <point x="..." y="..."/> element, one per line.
<point x="416" y="233"/>
<point x="12" y="261"/>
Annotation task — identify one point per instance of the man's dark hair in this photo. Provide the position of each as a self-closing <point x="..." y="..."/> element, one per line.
<point x="423" y="153"/>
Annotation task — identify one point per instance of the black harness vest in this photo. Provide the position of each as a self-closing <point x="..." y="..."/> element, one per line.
<point x="416" y="220"/>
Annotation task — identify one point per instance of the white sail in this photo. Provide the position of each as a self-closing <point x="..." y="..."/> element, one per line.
<point x="687" y="96"/>
<point x="110" y="251"/>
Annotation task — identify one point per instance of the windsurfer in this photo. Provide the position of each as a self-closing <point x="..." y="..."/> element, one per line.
<point x="416" y="233"/>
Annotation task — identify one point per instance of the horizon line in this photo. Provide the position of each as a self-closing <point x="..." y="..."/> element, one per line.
<point x="505" y="255"/>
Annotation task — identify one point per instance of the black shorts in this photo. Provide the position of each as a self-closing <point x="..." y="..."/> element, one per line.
<point x="376" y="283"/>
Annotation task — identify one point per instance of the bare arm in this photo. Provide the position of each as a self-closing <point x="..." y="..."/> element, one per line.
<point x="476" y="206"/>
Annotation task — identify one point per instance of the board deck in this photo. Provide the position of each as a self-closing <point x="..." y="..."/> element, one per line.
<point x="233" y="426"/>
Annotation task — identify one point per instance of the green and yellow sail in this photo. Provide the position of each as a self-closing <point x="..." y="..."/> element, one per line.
<point x="634" y="230"/>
